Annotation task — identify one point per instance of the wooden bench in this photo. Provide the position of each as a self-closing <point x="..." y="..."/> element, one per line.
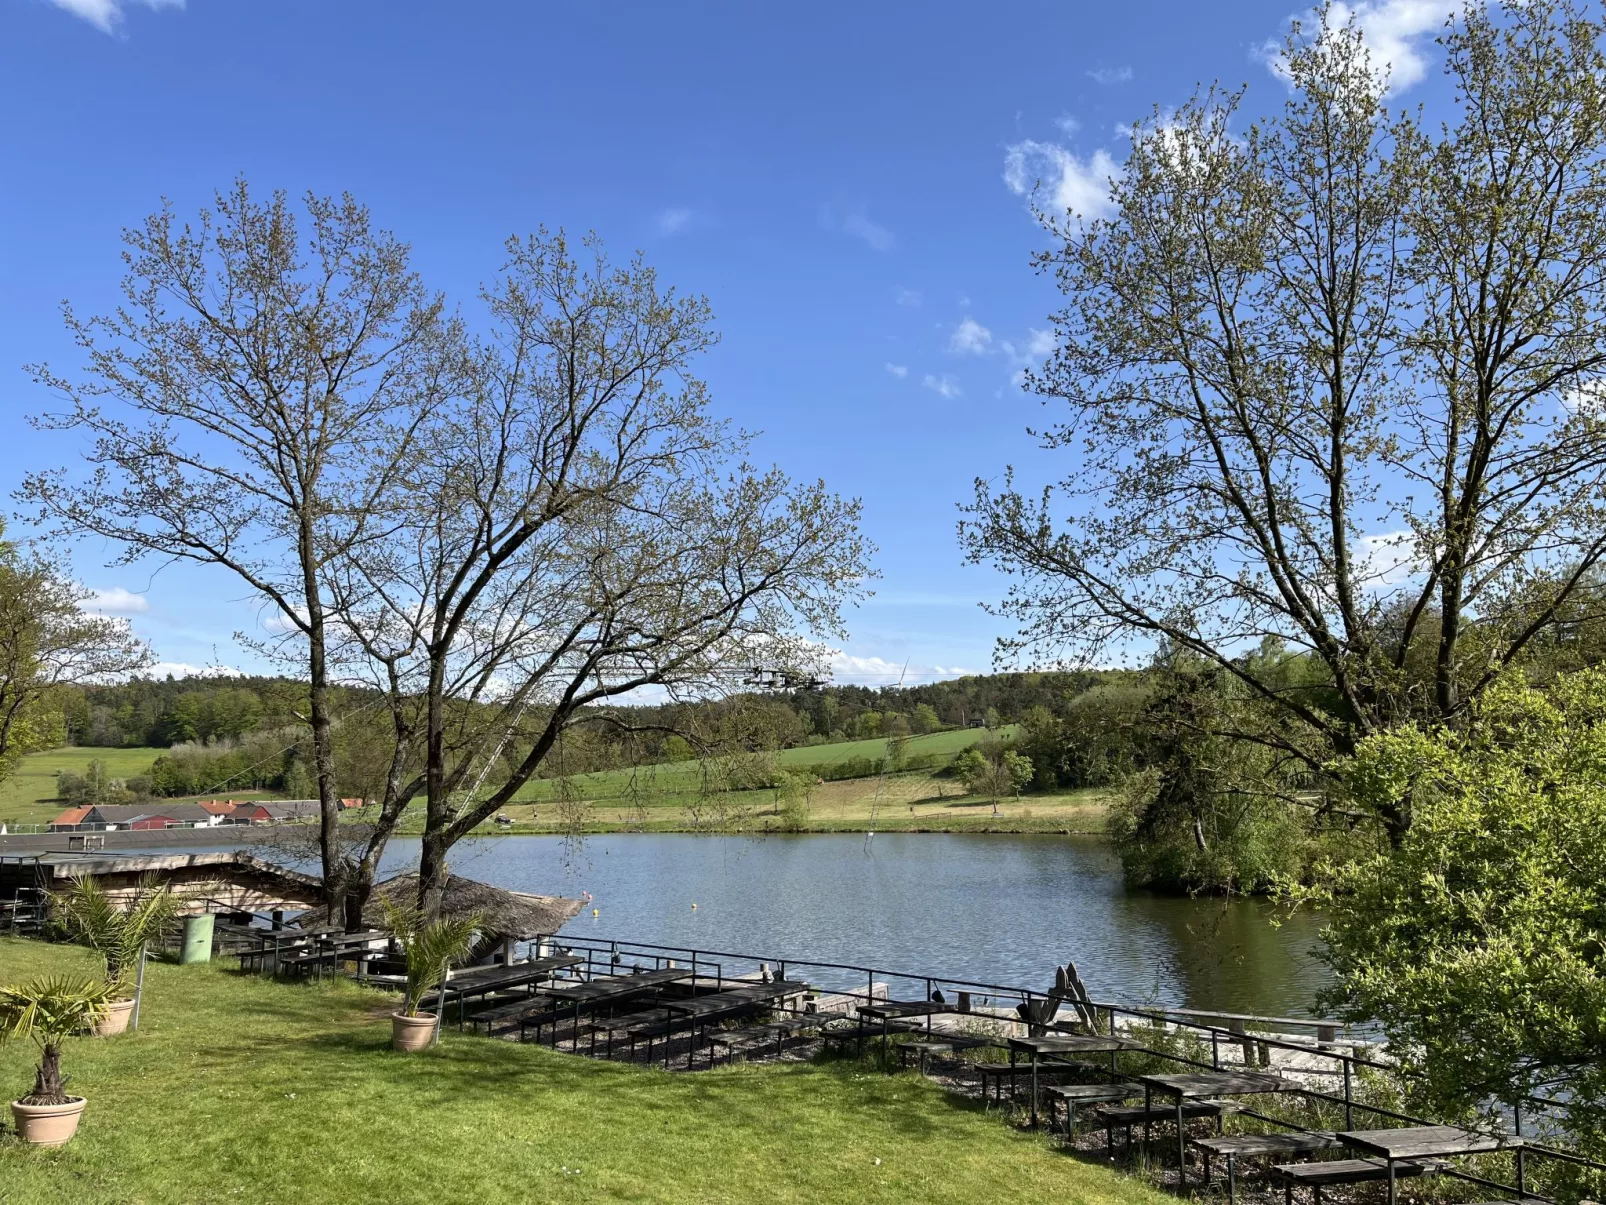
<point x="1127" y="1116"/>
<point x="1234" y="1147"/>
<point x="779" y="1030"/>
<point x="1345" y="1171"/>
<point x="1047" y="1073"/>
<point x="1075" y="1096"/>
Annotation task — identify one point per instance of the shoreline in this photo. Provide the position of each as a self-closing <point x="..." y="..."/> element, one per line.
<point x="242" y="835"/>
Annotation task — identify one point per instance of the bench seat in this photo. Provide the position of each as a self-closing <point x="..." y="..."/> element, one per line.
<point x="1346" y="1171"/>
<point x="1075" y="1096"/>
<point x="1233" y="1147"/>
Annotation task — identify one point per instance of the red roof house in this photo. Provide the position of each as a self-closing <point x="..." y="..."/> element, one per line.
<point x="70" y="819"/>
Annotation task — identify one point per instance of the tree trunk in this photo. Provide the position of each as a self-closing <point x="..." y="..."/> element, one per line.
<point x="323" y="757"/>
<point x="431" y="874"/>
<point x="47" y="1086"/>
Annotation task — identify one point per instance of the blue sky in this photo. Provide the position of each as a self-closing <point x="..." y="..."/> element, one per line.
<point x="844" y="182"/>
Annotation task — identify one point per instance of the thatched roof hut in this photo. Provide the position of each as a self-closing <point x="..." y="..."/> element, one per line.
<point x="504" y="914"/>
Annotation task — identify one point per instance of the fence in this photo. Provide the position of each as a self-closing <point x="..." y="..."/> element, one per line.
<point x="865" y="983"/>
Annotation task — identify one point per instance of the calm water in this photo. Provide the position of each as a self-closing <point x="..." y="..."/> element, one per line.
<point x="995" y="909"/>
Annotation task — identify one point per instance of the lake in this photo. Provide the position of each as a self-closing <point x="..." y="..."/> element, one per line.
<point x="991" y="908"/>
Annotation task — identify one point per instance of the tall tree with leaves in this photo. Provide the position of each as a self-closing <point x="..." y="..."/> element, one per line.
<point x="48" y="640"/>
<point x="1335" y="380"/>
<point x="255" y="362"/>
<point x="576" y="526"/>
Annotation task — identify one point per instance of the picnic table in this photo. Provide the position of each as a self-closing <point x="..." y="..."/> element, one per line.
<point x="487" y="981"/>
<point x="721" y="1004"/>
<point x="887" y="1011"/>
<point x="605" y="991"/>
<point x="1199" y="1085"/>
<point x="1052" y="1044"/>
<point x="332" y="947"/>
<point x="1412" y="1144"/>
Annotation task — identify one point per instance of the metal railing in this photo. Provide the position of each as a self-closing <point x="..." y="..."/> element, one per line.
<point x="865" y="983"/>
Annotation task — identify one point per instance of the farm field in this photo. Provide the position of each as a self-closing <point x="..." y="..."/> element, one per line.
<point x="681" y="778"/>
<point x="666" y="797"/>
<point x="28" y="794"/>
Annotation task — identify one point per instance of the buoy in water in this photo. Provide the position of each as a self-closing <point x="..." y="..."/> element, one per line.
<point x="694" y="907"/>
<point x="594" y="912"/>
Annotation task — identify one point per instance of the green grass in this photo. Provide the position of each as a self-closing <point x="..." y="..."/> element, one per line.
<point x="680" y="778"/>
<point x="28" y="795"/>
<point x="242" y="1089"/>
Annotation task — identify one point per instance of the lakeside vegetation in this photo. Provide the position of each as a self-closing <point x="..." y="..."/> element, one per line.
<point x="177" y="1113"/>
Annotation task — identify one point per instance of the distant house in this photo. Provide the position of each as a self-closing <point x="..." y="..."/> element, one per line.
<point x="220" y="810"/>
<point x="347" y="804"/>
<point x="250" y="812"/>
<point x="143" y="816"/>
<point x="69" y="820"/>
<point x="292" y="809"/>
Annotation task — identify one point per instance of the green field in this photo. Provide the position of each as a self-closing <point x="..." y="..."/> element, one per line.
<point x="28" y="795"/>
<point x="238" y="1088"/>
<point x="681" y="778"/>
<point x="666" y="797"/>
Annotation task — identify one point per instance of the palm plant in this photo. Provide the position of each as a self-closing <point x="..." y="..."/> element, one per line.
<point x="429" y="947"/>
<point x="92" y="918"/>
<point x="50" y="1011"/>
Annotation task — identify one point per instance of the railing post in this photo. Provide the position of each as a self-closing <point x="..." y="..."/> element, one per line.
<point x="1349" y="1104"/>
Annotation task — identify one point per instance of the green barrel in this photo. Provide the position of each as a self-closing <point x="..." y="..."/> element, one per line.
<point x="197" y="939"/>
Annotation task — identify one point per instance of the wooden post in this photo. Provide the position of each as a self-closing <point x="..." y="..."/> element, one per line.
<point x="507" y="951"/>
<point x="139" y="988"/>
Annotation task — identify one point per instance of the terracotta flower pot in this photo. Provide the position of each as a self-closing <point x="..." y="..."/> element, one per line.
<point x="47" y="1125"/>
<point x="411" y="1033"/>
<point x="116" y="1018"/>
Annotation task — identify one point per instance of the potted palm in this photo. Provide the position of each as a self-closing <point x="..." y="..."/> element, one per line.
<point x="429" y="949"/>
<point x="50" y="1011"/>
<point x="90" y="917"/>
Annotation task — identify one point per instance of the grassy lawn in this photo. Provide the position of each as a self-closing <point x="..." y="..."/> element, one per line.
<point x="241" y="1089"/>
<point x="28" y="795"/>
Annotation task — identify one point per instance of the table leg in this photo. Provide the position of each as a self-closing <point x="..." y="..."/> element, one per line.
<point x="1391" y="1182"/>
<point x="1232" y="1180"/>
<point x="1182" y="1149"/>
<point x="1148" y="1104"/>
<point x="1034" y="1089"/>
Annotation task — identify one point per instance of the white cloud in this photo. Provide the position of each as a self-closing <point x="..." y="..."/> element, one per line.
<point x="909" y="297"/>
<point x="1036" y="347"/>
<point x="877" y="238"/>
<point x="114" y="600"/>
<point x="106" y="15"/>
<point x="1066" y="124"/>
<point x="1588" y="397"/>
<point x="1385" y="559"/>
<point x="1397" y="33"/>
<point x="971" y="338"/>
<point x="675" y="221"/>
<point x="280" y="624"/>
<point x="943" y="386"/>
<point x="183" y="669"/>
<point x="1065" y="181"/>
<point x="857" y="224"/>
<point x="1110" y="75"/>
<point x="898" y="370"/>
<point x="878" y="671"/>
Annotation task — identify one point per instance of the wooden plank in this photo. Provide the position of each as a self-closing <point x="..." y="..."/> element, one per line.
<point x="1415" y="1142"/>
<point x="1247" y="1145"/>
<point x="1348" y="1171"/>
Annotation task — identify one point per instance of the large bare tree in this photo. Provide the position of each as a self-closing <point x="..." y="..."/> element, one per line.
<point x="238" y="403"/>
<point x="1334" y="379"/>
<point x="577" y="526"/>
